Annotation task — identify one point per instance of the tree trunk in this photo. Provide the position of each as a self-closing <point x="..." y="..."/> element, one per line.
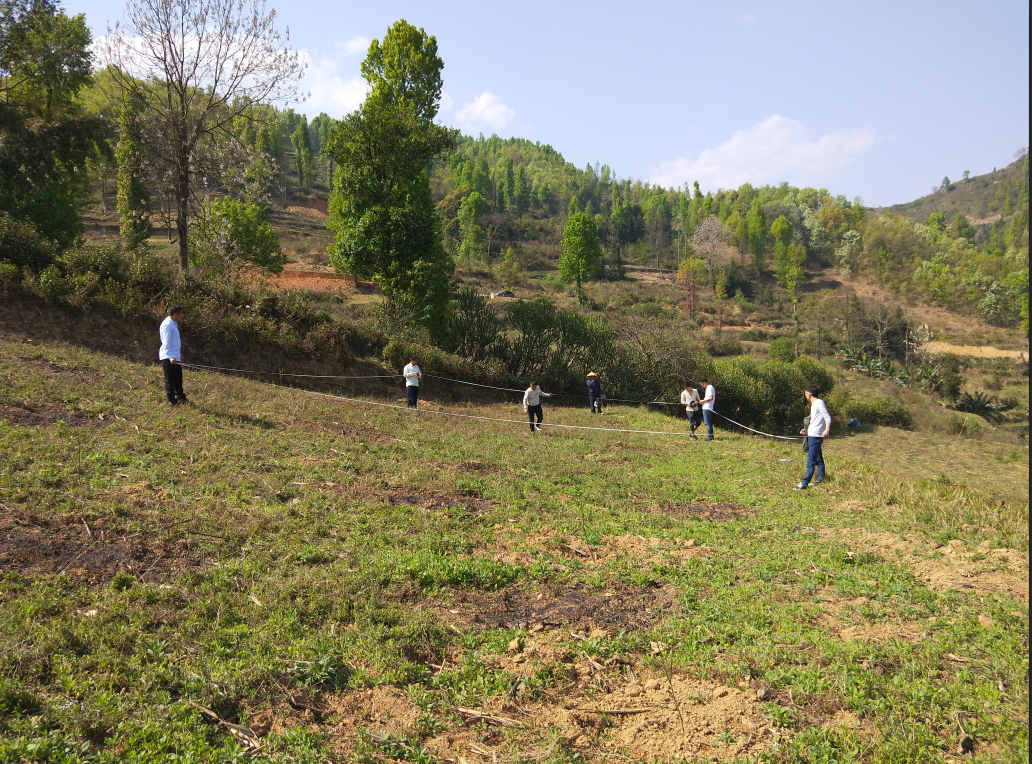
<point x="182" y="211"/>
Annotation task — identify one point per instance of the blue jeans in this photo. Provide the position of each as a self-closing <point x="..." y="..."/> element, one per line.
<point x="707" y="417"/>
<point x="814" y="459"/>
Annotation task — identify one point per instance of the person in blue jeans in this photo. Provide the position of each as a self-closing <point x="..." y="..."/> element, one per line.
<point x="708" y="401"/>
<point x="815" y="432"/>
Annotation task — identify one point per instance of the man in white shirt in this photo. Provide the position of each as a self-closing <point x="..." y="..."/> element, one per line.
<point x="171" y="356"/>
<point x="707" y="407"/>
<point x="532" y="405"/>
<point x="412" y="376"/>
<point x="690" y="401"/>
<point x="816" y="432"/>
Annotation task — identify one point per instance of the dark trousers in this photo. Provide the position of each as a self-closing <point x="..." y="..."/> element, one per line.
<point x="535" y="411"/>
<point x="596" y="404"/>
<point x="694" y="418"/>
<point x="707" y="417"/>
<point x="814" y="459"/>
<point x="173" y="381"/>
<point x="412" y="391"/>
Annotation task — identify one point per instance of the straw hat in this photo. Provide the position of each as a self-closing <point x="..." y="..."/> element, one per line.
<point x="592" y="374"/>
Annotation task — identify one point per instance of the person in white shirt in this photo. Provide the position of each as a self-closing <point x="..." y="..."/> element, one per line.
<point x="707" y="407"/>
<point x="690" y="401"/>
<point x="412" y="376"/>
<point x="532" y="405"/>
<point x="816" y="431"/>
<point x="171" y="356"/>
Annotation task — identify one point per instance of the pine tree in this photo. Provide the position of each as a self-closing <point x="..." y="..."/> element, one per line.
<point x="521" y="190"/>
<point x="133" y="199"/>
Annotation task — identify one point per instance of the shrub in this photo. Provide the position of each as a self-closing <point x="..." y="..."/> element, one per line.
<point x="433" y="360"/>
<point x="52" y="285"/>
<point x="980" y="403"/>
<point x="880" y="411"/>
<point x="722" y="343"/>
<point x="782" y="349"/>
<point x="815" y="373"/>
<point x="23" y="245"/>
<point x="232" y="233"/>
<point x="762" y="395"/>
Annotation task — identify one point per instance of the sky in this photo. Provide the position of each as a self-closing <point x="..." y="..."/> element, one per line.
<point x="879" y="100"/>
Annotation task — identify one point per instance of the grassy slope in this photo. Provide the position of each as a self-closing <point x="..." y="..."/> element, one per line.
<point x="976" y="198"/>
<point x="325" y="572"/>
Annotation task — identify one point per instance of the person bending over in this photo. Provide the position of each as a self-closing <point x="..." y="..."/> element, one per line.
<point x="171" y="356"/>
<point x="816" y="432"/>
<point x="690" y="401"/>
<point x="532" y="406"/>
<point x="594" y="393"/>
<point x="412" y="376"/>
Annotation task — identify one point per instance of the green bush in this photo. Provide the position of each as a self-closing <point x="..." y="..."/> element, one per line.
<point x="815" y="373"/>
<point x="782" y="349"/>
<point x="722" y="343"/>
<point x="877" y="411"/>
<point x="766" y="395"/>
<point x="10" y="274"/>
<point x="23" y="245"/>
<point x="433" y="360"/>
<point x="52" y="285"/>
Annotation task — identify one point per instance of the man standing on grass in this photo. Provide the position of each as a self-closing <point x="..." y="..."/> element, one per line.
<point x="532" y="405"/>
<point x="594" y="393"/>
<point x="412" y="376"/>
<point x="707" y="407"/>
<point x="815" y="432"/>
<point x="171" y="356"/>
<point x="690" y="401"/>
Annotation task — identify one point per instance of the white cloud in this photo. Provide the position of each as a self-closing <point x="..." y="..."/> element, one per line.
<point x="331" y="89"/>
<point x="357" y="45"/>
<point x="486" y="110"/>
<point x="446" y="101"/>
<point x="772" y="151"/>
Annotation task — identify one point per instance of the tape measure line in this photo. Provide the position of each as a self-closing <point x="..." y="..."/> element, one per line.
<point x="470" y="416"/>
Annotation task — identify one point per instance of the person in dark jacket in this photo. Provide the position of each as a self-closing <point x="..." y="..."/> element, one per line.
<point x="594" y="393"/>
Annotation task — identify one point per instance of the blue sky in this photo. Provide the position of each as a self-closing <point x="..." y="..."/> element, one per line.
<point x="878" y="100"/>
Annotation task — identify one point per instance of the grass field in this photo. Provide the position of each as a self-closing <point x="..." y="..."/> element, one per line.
<point x="269" y="572"/>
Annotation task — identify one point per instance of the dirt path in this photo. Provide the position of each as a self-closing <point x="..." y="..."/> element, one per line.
<point x="977" y="351"/>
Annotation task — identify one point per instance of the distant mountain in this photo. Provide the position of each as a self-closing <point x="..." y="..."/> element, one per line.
<point x="982" y="199"/>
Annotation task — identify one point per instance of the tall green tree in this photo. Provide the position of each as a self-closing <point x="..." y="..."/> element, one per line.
<point x="134" y="203"/>
<point x="520" y="191"/>
<point x="405" y="69"/>
<point x="46" y="136"/>
<point x="304" y="157"/>
<point x="471" y="245"/>
<point x="381" y="208"/>
<point x="757" y="223"/>
<point x="582" y="250"/>
<point x="781" y="229"/>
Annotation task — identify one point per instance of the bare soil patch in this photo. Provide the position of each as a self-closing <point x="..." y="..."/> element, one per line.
<point x="575" y="608"/>
<point x="522" y="549"/>
<point x="718" y="511"/>
<point x="89" y="551"/>
<point x="957" y="566"/>
<point x="651" y="719"/>
<point x="41" y="414"/>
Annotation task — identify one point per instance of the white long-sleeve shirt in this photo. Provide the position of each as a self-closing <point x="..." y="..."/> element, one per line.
<point x="532" y="396"/>
<point x="820" y="419"/>
<point x="171" y="345"/>
<point x="412" y="375"/>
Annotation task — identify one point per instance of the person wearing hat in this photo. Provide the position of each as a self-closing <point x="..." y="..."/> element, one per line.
<point x="594" y="393"/>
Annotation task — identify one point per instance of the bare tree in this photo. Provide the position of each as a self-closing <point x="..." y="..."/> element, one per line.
<point x="708" y="242"/>
<point x="195" y="66"/>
